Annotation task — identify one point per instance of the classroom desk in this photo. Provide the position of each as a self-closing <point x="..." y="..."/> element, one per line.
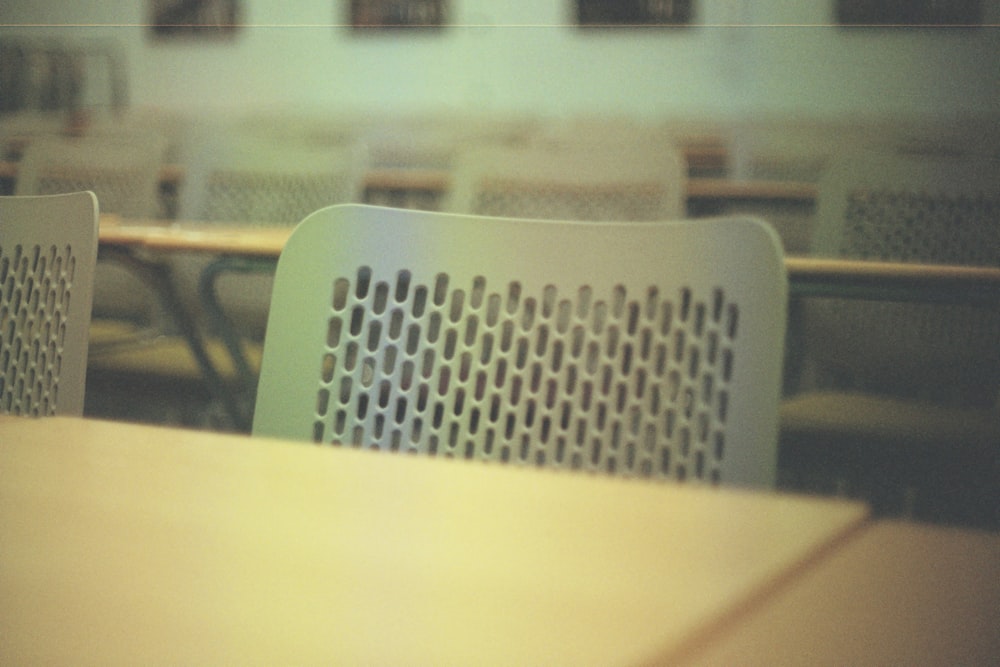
<point x="808" y="276"/>
<point x="129" y="544"/>
<point x="893" y="281"/>
<point x="247" y="248"/>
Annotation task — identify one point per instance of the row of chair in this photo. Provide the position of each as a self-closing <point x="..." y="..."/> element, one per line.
<point x="614" y="359"/>
<point x="247" y="178"/>
<point x="868" y="365"/>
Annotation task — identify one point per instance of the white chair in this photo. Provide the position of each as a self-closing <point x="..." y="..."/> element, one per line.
<point x="570" y="180"/>
<point x="123" y="170"/>
<point x="639" y="349"/>
<point x="243" y="178"/>
<point x="246" y="177"/>
<point x="902" y="386"/>
<point x="48" y="249"/>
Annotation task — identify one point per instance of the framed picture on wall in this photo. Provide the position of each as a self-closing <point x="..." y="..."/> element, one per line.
<point x="365" y="14"/>
<point x="926" y="13"/>
<point x="625" y="13"/>
<point x="195" y="18"/>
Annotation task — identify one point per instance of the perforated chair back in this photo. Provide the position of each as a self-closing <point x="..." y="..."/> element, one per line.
<point x="251" y="180"/>
<point x="638" y="349"/>
<point x="943" y="210"/>
<point x="48" y="249"/>
<point x="587" y="181"/>
<point x="123" y="170"/>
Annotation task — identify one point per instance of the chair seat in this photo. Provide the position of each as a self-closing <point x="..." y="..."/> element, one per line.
<point x="826" y="415"/>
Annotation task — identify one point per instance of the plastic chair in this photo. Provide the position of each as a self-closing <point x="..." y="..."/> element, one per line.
<point x="570" y="180"/>
<point x="906" y="383"/>
<point x="639" y="349"/>
<point x="122" y="169"/>
<point x="246" y="179"/>
<point x="48" y="249"/>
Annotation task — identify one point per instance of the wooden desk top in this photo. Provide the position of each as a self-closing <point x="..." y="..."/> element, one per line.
<point x="893" y="281"/>
<point x="855" y="271"/>
<point x="127" y="544"/>
<point x="171" y="236"/>
<point x="893" y="594"/>
<point x="831" y="274"/>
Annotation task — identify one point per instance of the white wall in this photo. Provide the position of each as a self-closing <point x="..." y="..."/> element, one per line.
<point x="748" y="58"/>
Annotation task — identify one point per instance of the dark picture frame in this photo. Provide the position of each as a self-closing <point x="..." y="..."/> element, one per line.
<point x="918" y="13"/>
<point x="392" y="14"/>
<point x="631" y="13"/>
<point x="211" y="19"/>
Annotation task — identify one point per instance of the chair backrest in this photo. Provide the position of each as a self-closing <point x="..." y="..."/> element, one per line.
<point x="123" y="170"/>
<point x="923" y="209"/>
<point x="575" y="180"/>
<point x="48" y="249"/>
<point x="248" y="179"/>
<point x="641" y="349"/>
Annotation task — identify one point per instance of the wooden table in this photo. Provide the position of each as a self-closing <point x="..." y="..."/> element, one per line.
<point x="808" y="276"/>
<point x="893" y="281"/>
<point x="894" y="594"/>
<point x="127" y="544"/>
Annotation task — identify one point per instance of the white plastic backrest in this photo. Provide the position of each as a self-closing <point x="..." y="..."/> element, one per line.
<point x="250" y="179"/>
<point x="909" y="208"/>
<point x="645" y="349"/>
<point x="48" y="249"/>
<point x="122" y="170"/>
<point x="592" y="181"/>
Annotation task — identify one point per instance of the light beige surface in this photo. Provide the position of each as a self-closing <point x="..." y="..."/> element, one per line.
<point x="895" y="594"/>
<point x="840" y="271"/>
<point x="162" y="235"/>
<point x="184" y="236"/>
<point x="139" y="545"/>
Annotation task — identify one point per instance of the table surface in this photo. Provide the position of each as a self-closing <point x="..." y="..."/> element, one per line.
<point x="137" y="544"/>
<point x="268" y="241"/>
<point x="895" y="594"/>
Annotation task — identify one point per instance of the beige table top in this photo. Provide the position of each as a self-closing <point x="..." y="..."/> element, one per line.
<point x="179" y="236"/>
<point x="893" y="594"/>
<point x="855" y="271"/>
<point x="126" y="544"/>
<point x="268" y="241"/>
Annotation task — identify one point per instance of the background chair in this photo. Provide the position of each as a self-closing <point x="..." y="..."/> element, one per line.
<point x="247" y="177"/>
<point x="48" y="249"/>
<point x="597" y="180"/>
<point x="123" y="170"/>
<point x="642" y="349"/>
<point x="244" y="178"/>
<point x="900" y="400"/>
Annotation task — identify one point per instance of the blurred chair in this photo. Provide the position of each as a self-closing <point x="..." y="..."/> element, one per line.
<point x="48" y="250"/>
<point x="900" y="399"/>
<point x="586" y="180"/>
<point x="638" y="349"/>
<point x="123" y="170"/>
<point x="422" y="148"/>
<point x="244" y="178"/>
